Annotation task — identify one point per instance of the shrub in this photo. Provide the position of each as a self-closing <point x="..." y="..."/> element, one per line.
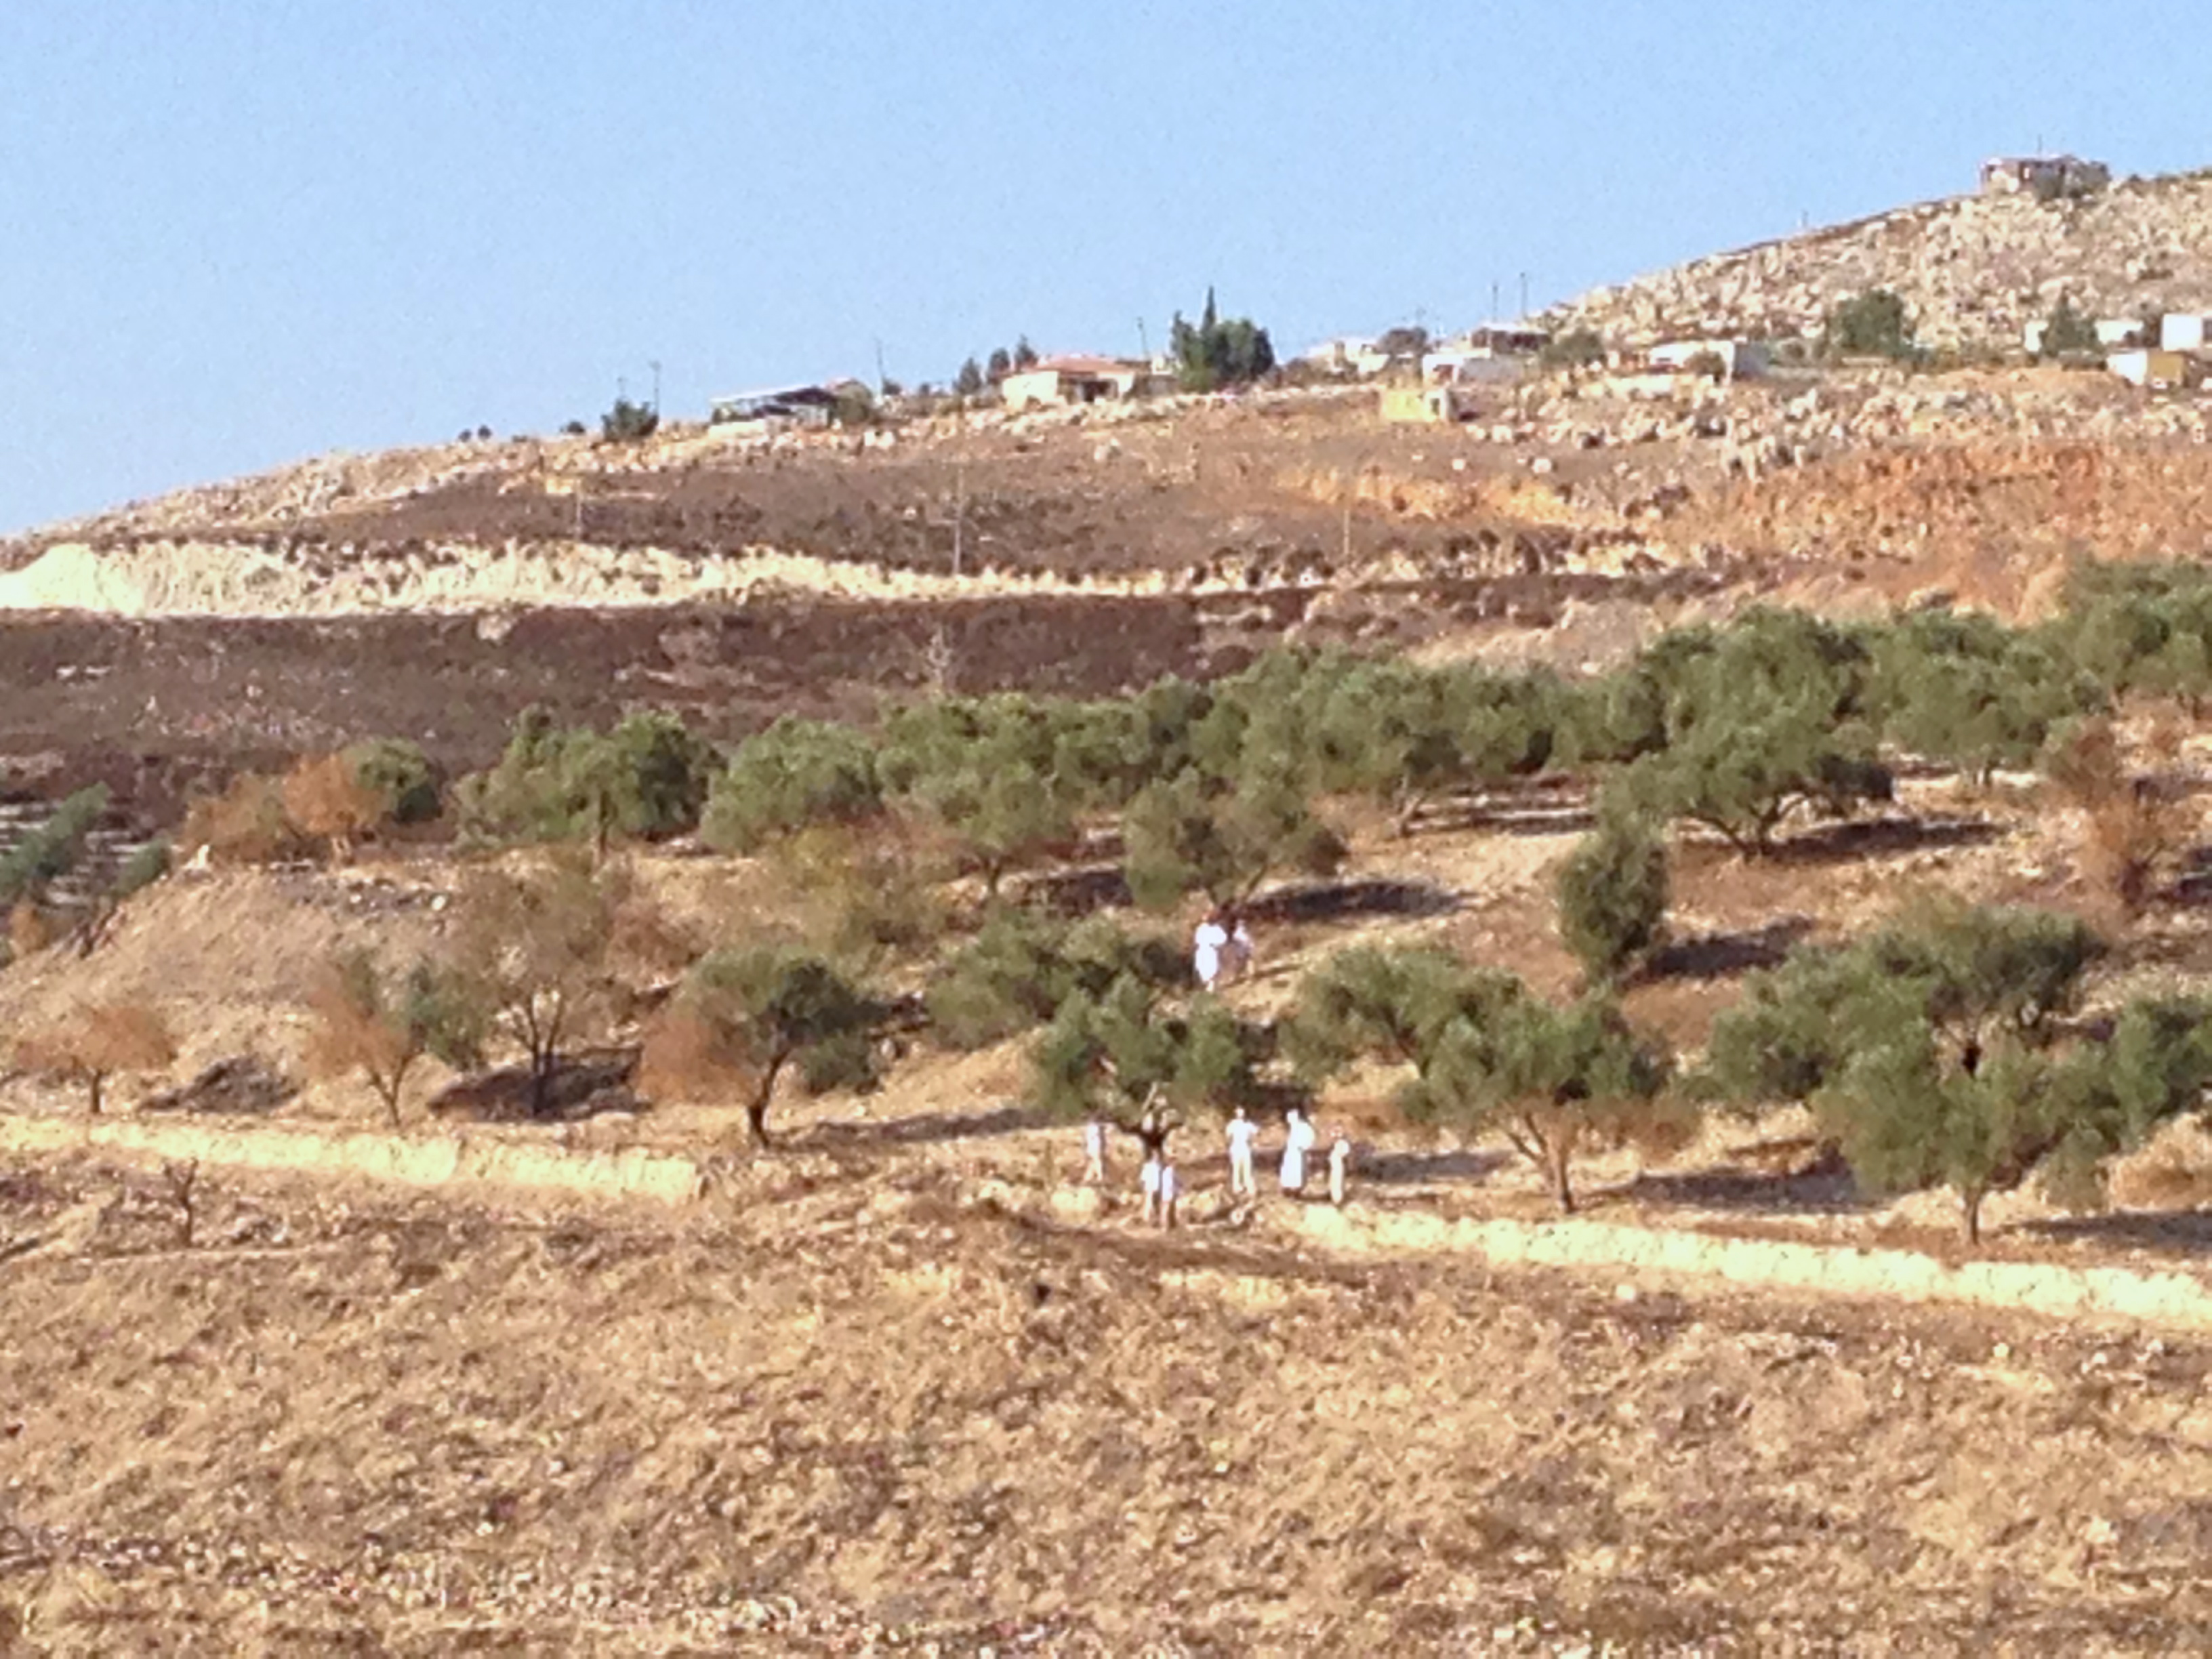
<point x="2067" y="332"/>
<point x="1612" y="893"/>
<point x="1875" y="323"/>
<point x="246" y="823"/>
<point x="1020" y="968"/>
<point x="2140" y="628"/>
<point x="629" y="423"/>
<point x="647" y="778"/>
<point x="2133" y="829"/>
<point x="1225" y="842"/>
<point x="1218" y="351"/>
<point x="1120" y="1056"/>
<point x="744" y="1016"/>
<point x="868" y="893"/>
<point x="795" y="774"/>
<point x="400" y="776"/>
<point x="147" y="864"/>
<point x="1760" y="721"/>
<point x="1965" y="688"/>
<point x="380" y="1027"/>
<point x="1577" y="348"/>
<point x="96" y="1039"/>
<point x="44" y="855"/>
<point x="325" y="800"/>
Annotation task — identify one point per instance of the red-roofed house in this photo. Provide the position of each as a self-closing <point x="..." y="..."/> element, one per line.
<point x="1068" y="380"/>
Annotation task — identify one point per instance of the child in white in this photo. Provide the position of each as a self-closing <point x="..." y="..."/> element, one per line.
<point x="1339" y="1160"/>
<point x="1151" y="1177"/>
<point x="1242" y="1131"/>
<point x="1094" y="1152"/>
<point x="1295" y="1148"/>
<point x="1206" y="946"/>
<point x="1167" y="1195"/>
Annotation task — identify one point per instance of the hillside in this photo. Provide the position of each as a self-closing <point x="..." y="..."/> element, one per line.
<point x="1973" y="269"/>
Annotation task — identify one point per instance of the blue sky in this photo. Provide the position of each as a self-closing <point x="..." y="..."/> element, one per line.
<point x="237" y="232"/>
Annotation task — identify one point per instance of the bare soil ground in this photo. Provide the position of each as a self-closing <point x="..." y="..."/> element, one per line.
<point x="861" y="1409"/>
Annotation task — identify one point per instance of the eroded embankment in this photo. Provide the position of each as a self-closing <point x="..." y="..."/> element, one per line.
<point x="187" y="578"/>
<point x="444" y="1160"/>
<point x="2162" y="1301"/>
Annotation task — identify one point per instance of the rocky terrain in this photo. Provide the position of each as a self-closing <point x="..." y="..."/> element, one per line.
<point x="1973" y="270"/>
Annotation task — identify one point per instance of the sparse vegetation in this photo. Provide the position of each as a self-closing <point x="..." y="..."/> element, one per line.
<point x="96" y="1042"/>
<point x="1875" y="323"/>
<point x="1216" y="353"/>
<point x="744" y="1016"/>
<point x="377" y="1025"/>
<point x="51" y="850"/>
<point x="628" y="422"/>
<point x="1612" y="894"/>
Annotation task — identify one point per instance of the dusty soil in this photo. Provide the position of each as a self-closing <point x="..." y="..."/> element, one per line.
<point x="859" y="1406"/>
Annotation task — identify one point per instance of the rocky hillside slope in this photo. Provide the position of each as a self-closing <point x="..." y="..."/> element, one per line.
<point x="1974" y="270"/>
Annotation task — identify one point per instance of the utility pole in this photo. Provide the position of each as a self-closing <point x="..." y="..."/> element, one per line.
<point x="1524" y="296"/>
<point x="656" y="385"/>
<point x="880" y="381"/>
<point x="1143" y="340"/>
<point x="959" y="511"/>
<point x="1493" y="299"/>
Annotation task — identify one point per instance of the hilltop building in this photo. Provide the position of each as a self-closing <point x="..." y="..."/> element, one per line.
<point x="2044" y="176"/>
<point x="1070" y="381"/>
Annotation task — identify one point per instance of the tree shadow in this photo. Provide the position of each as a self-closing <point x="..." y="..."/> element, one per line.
<point x="2165" y="1233"/>
<point x="926" y="1128"/>
<point x="584" y="1086"/>
<point x="1337" y="900"/>
<point x="1074" y="894"/>
<point x="1726" y="956"/>
<point x="1822" y="1187"/>
<point x="244" y="1086"/>
<point x="1423" y="1169"/>
<point x="1859" y="838"/>
<point x="1534" y="812"/>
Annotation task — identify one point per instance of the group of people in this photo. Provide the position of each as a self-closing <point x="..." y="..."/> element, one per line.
<point x="1162" y="1188"/>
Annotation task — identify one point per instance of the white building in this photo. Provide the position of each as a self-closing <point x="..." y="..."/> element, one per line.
<point x="1740" y="360"/>
<point x="2182" y="331"/>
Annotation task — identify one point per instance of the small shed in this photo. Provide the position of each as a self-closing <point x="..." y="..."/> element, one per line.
<point x="1742" y="360"/>
<point x="2182" y="331"/>
<point x="2159" y="369"/>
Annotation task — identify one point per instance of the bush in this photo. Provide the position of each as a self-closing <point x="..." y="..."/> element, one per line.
<point x="1577" y="348"/>
<point x="1875" y="323"/>
<point x="1021" y="968"/>
<point x="2067" y="332"/>
<point x="93" y="1041"/>
<point x="1926" y="1052"/>
<point x="795" y="774"/>
<point x="1218" y="351"/>
<point x="2136" y="830"/>
<point x="1967" y="690"/>
<point x="246" y="823"/>
<point x="868" y="894"/>
<point x="45" y="854"/>
<point x="400" y="776"/>
<point x="147" y="864"/>
<point x="1612" y="893"/>
<point x="1763" y="719"/>
<point x="325" y="800"/>
<point x="1118" y="1054"/>
<point x="1224" y="842"/>
<point x="628" y="422"/>
<point x="745" y="1016"/>
<point x="647" y="778"/>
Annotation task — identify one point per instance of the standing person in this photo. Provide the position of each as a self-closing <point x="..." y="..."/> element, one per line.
<point x="1339" y="1161"/>
<point x="1242" y="1131"/>
<point x="1236" y="957"/>
<point x="1206" y="946"/>
<point x="1150" y="1175"/>
<point x="1299" y="1142"/>
<point x="1167" y="1195"/>
<point x="1094" y="1152"/>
